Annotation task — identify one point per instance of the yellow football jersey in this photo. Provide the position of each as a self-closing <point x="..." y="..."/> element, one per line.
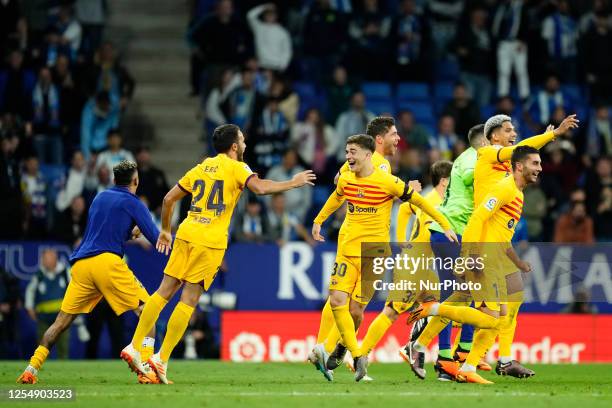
<point x="420" y="228"/>
<point x="495" y="218"/>
<point x="215" y="186"/>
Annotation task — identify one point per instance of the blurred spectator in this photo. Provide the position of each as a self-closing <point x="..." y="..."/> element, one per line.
<point x="534" y="211"/>
<point x="417" y="136"/>
<point x="510" y="33"/>
<point x="216" y="96"/>
<point x="369" y="33"/>
<point x="74" y="183"/>
<point x="52" y="47"/>
<point x="339" y="93"/>
<point x="288" y="100"/>
<point x="36" y="196"/>
<point x="411" y="165"/>
<point x="547" y="100"/>
<point x="582" y="303"/>
<point x="10" y="19"/>
<point x="598" y="64"/>
<point x="70" y="30"/>
<point x="298" y="200"/>
<point x="446" y="137"/>
<point x="353" y="121"/>
<point x="17" y="91"/>
<point x="71" y="98"/>
<point x="199" y="340"/>
<point x="598" y="188"/>
<point x="410" y="40"/>
<point x="600" y="8"/>
<point x="444" y="16"/>
<point x="99" y="117"/>
<point x="560" y="31"/>
<point x="271" y="137"/>
<point x="316" y="143"/>
<point x="272" y="42"/>
<point x="251" y="225"/>
<point x="243" y="102"/>
<point x="36" y="14"/>
<point x="325" y="32"/>
<point x="71" y="223"/>
<point x="231" y="44"/>
<point x="12" y="208"/>
<point x="43" y="297"/>
<point x="575" y="226"/>
<point x="474" y="47"/>
<point x="92" y="16"/>
<point x="97" y="181"/>
<point x="115" y="154"/>
<point x="464" y="111"/>
<point x="284" y="226"/>
<point x="46" y="120"/>
<point x="109" y="75"/>
<point x="9" y="304"/>
<point x="599" y="134"/>
<point x="103" y="314"/>
<point x="152" y="180"/>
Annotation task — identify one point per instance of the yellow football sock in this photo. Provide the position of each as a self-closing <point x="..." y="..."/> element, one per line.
<point x="346" y="326"/>
<point x="176" y="328"/>
<point x="332" y="338"/>
<point x="433" y="328"/>
<point x="327" y="323"/>
<point x="376" y="331"/>
<point x="507" y="328"/>
<point x="40" y="355"/>
<point x="147" y="348"/>
<point x="483" y="340"/>
<point x="468" y="315"/>
<point x="148" y="317"/>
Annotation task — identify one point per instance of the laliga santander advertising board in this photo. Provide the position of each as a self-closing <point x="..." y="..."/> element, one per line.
<point x="289" y="336"/>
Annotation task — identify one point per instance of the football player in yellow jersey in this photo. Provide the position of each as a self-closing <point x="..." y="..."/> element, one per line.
<point x="369" y="193"/>
<point x="440" y="174"/>
<point x="201" y="240"/>
<point x="384" y="132"/>
<point x="487" y="237"/>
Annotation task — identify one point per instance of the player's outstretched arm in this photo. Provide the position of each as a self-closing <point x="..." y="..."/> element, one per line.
<point x="265" y="186"/>
<point x="539" y="141"/>
<point x="164" y="242"/>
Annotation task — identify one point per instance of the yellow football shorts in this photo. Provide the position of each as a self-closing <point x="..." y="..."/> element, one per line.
<point x="194" y="263"/>
<point x="402" y="301"/>
<point x="346" y="277"/>
<point x="105" y="275"/>
<point x="492" y="281"/>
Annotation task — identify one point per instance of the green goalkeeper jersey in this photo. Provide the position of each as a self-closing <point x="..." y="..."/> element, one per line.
<point x="458" y="201"/>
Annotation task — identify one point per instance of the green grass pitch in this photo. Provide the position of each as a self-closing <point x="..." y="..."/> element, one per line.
<point x="221" y="384"/>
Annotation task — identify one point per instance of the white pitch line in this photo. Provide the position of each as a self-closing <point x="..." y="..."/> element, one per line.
<point x="454" y="394"/>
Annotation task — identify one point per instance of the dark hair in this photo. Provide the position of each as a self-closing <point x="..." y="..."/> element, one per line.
<point x="103" y="97"/>
<point x="439" y="170"/>
<point x="123" y="172"/>
<point x="380" y="125"/>
<point x="224" y="137"/>
<point x="520" y="154"/>
<point x="365" y="141"/>
<point x="113" y="131"/>
<point x="475" y="134"/>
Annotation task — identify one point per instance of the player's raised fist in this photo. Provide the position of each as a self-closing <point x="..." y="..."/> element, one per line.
<point x="305" y="177"/>
<point x="571" y="122"/>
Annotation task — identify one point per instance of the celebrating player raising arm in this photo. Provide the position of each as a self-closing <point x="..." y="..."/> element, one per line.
<point x="369" y="194"/>
<point x="201" y="240"/>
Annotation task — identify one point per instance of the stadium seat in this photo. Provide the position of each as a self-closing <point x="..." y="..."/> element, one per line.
<point x="422" y="111"/>
<point x="380" y="107"/>
<point x="376" y="91"/>
<point x="574" y="92"/>
<point x="443" y="91"/>
<point x="447" y="70"/>
<point x="413" y="91"/>
<point x="305" y="89"/>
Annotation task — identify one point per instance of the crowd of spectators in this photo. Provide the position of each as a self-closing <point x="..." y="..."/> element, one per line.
<point x="302" y="76"/>
<point x="63" y="93"/>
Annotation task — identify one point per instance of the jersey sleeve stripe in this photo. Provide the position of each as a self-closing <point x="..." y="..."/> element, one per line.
<point x="519" y="200"/>
<point x="510" y="213"/>
<point x="516" y="207"/>
<point x="183" y="188"/>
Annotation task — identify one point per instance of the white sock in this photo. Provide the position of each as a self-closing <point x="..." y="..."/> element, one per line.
<point x="434" y="309"/>
<point x="31" y="369"/>
<point x="148" y="342"/>
<point x="468" y="368"/>
<point x="419" y="347"/>
<point x="505" y="360"/>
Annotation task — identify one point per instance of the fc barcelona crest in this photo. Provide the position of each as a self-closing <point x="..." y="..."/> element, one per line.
<point x="360" y="192"/>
